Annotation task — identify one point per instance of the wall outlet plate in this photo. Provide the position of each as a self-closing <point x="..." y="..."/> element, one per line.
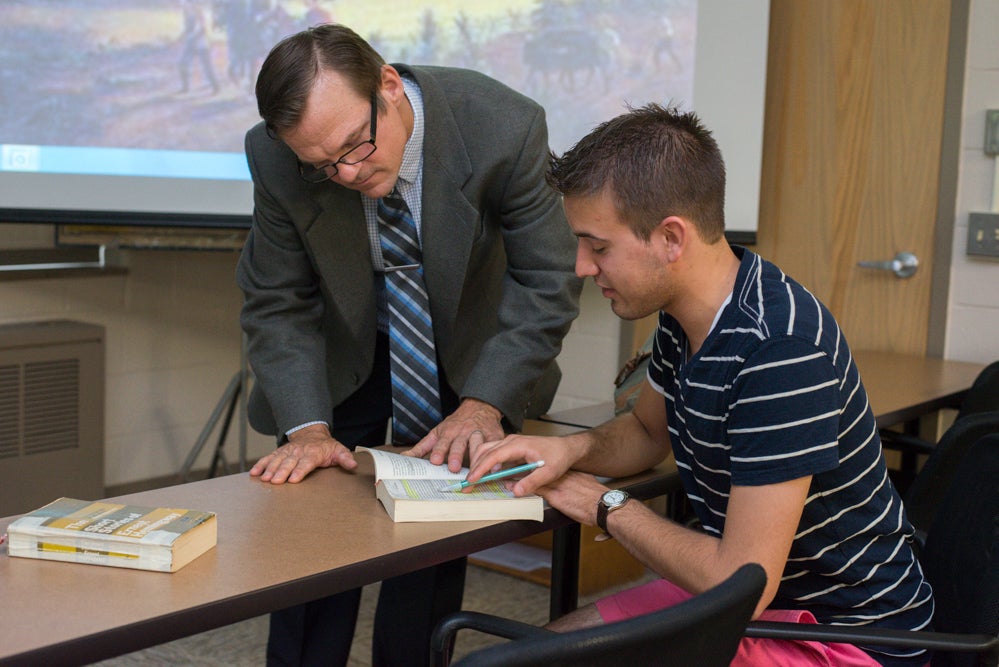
<point x="983" y="234"/>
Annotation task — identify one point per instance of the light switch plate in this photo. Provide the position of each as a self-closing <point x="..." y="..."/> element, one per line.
<point x="983" y="234"/>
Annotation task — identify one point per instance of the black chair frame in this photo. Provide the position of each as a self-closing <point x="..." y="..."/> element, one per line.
<point x="704" y="630"/>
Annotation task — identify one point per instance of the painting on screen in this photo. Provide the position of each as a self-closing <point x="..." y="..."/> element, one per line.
<point x="141" y="83"/>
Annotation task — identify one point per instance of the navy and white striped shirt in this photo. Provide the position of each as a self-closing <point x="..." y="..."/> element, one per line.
<point x="773" y="395"/>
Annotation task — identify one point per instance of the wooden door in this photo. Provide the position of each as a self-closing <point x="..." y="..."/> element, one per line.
<point x="851" y="157"/>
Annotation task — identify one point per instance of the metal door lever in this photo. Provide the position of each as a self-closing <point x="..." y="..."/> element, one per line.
<point x="903" y="265"/>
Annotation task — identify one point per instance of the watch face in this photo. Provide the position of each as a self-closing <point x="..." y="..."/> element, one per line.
<point x="612" y="498"/>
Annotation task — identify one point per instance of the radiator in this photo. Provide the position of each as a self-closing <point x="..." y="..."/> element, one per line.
<point x="51" y="413"/>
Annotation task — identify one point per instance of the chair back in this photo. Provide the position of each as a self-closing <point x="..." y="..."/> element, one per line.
<point x="934" y="480"/>
<point x="704" y="630"/>
<point x="983" y="396"/>
<point x="961" y="557"/>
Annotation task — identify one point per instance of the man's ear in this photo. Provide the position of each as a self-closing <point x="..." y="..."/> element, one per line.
<point x="391" y="88"/>
<point x="671" y="236"/>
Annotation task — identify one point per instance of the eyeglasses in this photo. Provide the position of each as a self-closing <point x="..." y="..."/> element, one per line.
<point x="358" y="153"/>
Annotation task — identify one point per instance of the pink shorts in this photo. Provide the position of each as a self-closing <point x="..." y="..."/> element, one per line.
<point x="753" y="652"/>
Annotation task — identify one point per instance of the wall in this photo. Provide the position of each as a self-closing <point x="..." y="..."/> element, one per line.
<point x="173" y="344"/>
<point x="973" y="304"/>
<point x="589" y="359"/>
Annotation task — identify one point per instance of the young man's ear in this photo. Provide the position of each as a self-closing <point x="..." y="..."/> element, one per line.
<point x="671" y="235"/>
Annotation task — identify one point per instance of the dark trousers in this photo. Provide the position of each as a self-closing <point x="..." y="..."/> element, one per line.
<point x="409" y="606"/>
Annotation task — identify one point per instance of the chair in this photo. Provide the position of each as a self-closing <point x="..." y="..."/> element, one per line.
<point x="934" y="479"/>
<point x="982" y="396"/>
<point x="704" y="630"/>
<point x="961" y="562"/>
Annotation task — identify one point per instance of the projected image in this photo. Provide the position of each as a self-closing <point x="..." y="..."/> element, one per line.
<point x="164" y="87"/>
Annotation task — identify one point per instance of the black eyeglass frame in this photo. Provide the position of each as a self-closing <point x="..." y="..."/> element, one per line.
<point x="325" y="172"/>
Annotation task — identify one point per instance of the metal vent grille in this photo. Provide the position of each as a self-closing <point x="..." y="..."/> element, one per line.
<point x="10" y="410"/>
<point x="51" y="413"/>
<point x="39" y="407"/>
<point x="51" y="405"/>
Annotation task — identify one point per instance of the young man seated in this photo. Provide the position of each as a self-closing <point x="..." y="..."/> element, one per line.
<point x="751" y="385"/>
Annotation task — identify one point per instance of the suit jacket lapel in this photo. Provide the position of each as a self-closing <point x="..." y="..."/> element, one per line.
<point x="338" y="241"/>
<point x="449" y="219"/>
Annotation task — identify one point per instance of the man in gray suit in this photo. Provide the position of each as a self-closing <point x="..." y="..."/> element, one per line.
<point x="342" y="132"/>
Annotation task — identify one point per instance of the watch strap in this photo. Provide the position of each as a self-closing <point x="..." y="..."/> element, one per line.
<point x="602" y="516"/>
<point x="603" y="509"/>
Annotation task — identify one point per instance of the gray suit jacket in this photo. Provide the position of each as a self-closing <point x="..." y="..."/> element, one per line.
<point x="498" y="260"/>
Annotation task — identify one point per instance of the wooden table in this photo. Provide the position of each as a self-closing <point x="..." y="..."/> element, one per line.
<point x="900" y="387"/>
<point x="277" y="546"/>
<point x="904" y="387"/>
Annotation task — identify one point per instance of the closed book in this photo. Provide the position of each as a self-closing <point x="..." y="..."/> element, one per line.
<point x="163" y="539"/>
<point x="413" y="489"/>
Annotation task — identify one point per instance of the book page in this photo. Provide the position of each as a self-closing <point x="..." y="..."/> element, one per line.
<point x="389" y="465"/>
<point x="431" y="489"/>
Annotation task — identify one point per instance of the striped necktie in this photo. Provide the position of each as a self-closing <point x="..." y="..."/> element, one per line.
<point x="416" y="405"/>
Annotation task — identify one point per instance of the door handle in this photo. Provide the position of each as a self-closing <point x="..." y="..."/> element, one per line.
<point x="903" y="265"/>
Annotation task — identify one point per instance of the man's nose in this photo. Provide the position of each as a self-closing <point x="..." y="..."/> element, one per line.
<point x="347" y="173"/>
<point x="584" y="265"/>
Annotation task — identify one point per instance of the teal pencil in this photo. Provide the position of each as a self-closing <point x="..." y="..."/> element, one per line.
<point x="509" y="472"/>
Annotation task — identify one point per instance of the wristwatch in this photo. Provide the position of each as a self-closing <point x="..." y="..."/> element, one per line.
<point x="610" y="501"/>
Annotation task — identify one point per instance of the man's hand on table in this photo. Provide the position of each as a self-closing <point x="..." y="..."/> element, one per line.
<point x="307" y="449"/>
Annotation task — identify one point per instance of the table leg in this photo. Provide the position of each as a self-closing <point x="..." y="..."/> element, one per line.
<point x="565" y="570"/>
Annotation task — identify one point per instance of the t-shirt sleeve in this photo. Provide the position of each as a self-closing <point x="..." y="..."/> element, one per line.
<point x="784" y="421"/>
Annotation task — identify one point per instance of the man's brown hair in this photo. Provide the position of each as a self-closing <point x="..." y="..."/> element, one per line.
<point x="655" y="162"/>
<point x="291" y="68"/>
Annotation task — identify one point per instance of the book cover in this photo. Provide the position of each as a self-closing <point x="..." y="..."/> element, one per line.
<point x="163" y="539"/>
<point x="413" y="489"/>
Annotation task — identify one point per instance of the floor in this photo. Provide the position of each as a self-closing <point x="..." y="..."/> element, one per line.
<point x="243" y="644"/>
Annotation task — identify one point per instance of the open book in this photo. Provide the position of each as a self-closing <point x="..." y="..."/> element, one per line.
<point x="413" y="489"/>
